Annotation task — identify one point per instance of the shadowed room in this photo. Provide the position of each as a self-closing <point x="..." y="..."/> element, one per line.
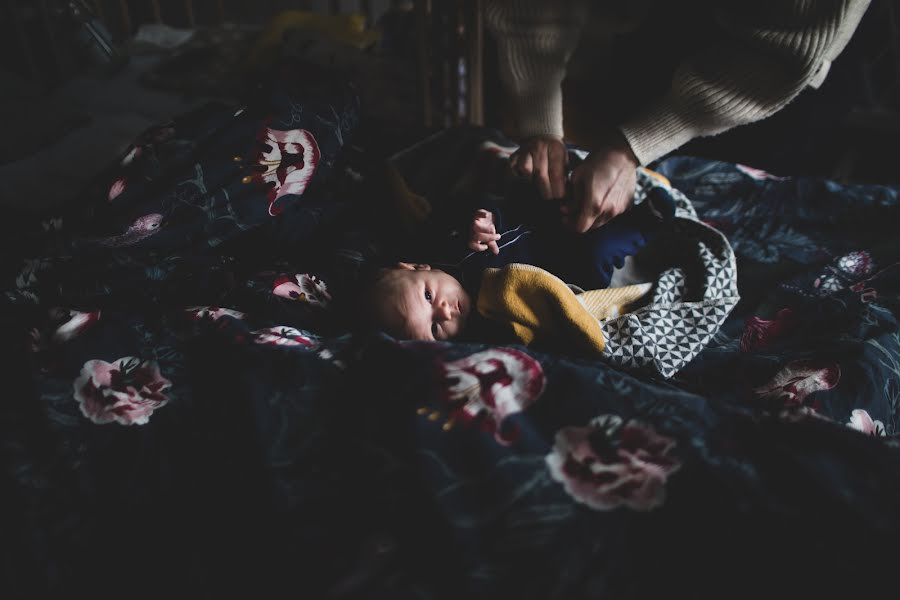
<point x="441" y="299"/>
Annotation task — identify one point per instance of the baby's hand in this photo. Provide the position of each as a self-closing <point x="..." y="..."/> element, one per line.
<point x="484" y="235"/>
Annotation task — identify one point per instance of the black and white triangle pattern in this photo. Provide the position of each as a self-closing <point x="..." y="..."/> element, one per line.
<point x="683" y="206"/>
<point x="643" y="186"/>
<point x="664" y="337"/>
<point x="670" y="286"/>
<point x="669" y="332"/>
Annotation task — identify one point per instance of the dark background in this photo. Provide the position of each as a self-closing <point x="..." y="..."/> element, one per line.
<point x="847" y="130"/>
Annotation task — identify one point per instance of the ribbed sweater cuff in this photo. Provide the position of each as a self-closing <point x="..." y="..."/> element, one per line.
<point x="539" y="113"/>
<point x="660" y="130"/>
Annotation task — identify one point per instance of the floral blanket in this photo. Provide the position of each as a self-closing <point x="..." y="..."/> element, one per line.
<point x="183" y="409"/>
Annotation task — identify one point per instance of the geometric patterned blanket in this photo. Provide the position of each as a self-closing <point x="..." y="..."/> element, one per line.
<point x="690" y="300"/>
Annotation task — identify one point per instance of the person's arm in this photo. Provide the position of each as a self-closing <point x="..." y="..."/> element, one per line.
<point x="535" y="39"/>
<point x="765" y="54"/>
<point x="534" y="42"/>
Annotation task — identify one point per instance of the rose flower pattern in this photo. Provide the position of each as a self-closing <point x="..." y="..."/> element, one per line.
<point x="126" y="391"/>
<point x="611" y="463"/>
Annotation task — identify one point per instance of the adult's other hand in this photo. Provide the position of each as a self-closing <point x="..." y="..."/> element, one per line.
<point x="603" y="186"/>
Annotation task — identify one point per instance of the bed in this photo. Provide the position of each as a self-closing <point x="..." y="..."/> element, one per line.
<point x="185" y="408"/>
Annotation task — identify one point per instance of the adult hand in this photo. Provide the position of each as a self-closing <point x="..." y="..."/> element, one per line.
<point x="603" y="186"/>
<point x="543" y="158"/>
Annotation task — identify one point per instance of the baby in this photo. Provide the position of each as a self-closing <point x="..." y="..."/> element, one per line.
<point x="414" y="300"/>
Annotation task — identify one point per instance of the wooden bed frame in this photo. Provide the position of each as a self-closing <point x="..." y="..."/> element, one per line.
<point x="449" y="34"/>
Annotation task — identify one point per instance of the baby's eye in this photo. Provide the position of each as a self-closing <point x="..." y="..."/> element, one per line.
<point x="428" y="295"/>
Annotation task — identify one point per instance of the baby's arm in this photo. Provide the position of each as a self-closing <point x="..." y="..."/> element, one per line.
<point x="483" y="234"/>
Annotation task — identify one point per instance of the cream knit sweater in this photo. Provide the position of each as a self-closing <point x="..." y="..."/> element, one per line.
<point x="775" y="49"/>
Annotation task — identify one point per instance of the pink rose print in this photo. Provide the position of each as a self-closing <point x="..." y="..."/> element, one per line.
<point x="761" y="333"/>
<point x="283" y="336"/>
<point x="142" y="228"/>
<point x="71" y="323"/>
<point x="486" y="387"/>
<point x="855" y="265"/>
<point x="800" y="378"/>
<point x="303" y="287"/>
<point x="861" y="421"/>
<point x="290" y="159"/>
<point x="116" y="189"/>
<point x="610" y="463"/>
<point x="828" y="282"/>
<point x="858" y="264"/>
<point x="758" y="174"/>
<point x="866" y="294"/>
<point x="213" y="312"/>
<point x="126" y="391"/>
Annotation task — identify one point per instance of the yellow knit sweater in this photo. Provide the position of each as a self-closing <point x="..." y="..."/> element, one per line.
<point x="539" y="308"/>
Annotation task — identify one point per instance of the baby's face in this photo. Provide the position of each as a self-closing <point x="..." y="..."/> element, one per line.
<point x="417" y="303"/>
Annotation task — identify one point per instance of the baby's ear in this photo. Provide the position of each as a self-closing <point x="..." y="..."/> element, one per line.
<point x="413" y="267"/>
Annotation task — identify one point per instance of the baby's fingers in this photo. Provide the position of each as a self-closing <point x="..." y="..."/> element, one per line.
<point x="486" y="236"/>
<point x="481" y="227"/>
<point x="484" y="240"/>
<point x="483" y="223"/>
<point x="482" y="246"/>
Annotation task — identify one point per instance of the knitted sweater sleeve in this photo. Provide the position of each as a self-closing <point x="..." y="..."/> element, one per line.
<point x="763" y="56"/>
<point x="534" y="42"/>
<point x="769" y="53"/>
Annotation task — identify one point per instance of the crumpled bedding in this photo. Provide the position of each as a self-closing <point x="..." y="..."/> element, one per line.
<point x="183" y="409"/>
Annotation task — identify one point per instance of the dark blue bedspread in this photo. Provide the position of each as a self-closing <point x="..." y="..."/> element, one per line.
<point x="183" y="412"/>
